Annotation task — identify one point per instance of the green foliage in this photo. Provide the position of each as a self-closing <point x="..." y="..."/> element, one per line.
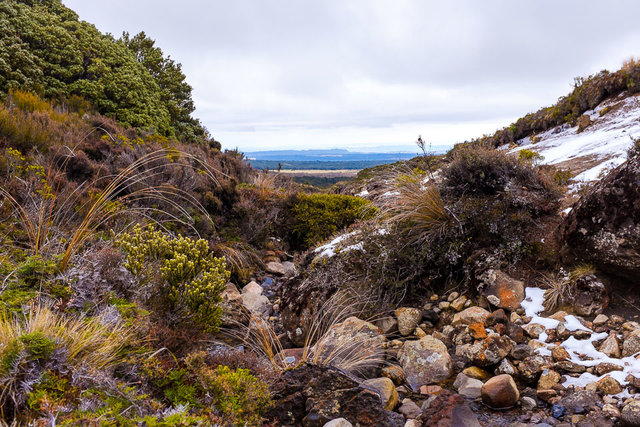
<point x="46" y="49"/>
<point x="51" y="391"/>
<point x="529" y="156"/>
<point x="239" y="395"/>
<point x="318" y="216"/>
<point x="38" y="345"/>
<point x="183" y="270"/>
<point x="35" y="269"/>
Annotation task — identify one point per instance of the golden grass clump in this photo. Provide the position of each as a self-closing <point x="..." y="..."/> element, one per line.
<point x="414" y="204"/>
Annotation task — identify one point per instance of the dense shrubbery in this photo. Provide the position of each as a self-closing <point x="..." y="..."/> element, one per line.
<point x="484" y="210"/>
<point x="45" y="48"/>
<point x="180" y="273"/>
<point x="318" y="216"/>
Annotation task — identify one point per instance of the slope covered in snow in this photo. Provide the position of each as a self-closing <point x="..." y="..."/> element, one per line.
<point x="601" y="146"/>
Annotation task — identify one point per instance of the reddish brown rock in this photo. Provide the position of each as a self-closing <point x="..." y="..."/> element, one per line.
<point x="502" y="290"/>
<point x="500" y="392"/>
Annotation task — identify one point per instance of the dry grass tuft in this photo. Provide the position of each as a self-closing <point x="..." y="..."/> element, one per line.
<point x="357" y="356"/>
<point x="560" y="290"/>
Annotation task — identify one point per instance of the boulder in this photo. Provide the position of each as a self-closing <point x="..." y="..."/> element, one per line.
<point x="425" y="361"/>
<point x="500" y="392"/>
<point x="353" y="340"/>
<point x="385" y="389"/>
<point x="408" y="319"/>
<point x="603" y="228"/>
<point x="583" y="122"/>
<point x="501" y="289"/>
<point x="312" y="396"/>
<point x="470" y="315"/>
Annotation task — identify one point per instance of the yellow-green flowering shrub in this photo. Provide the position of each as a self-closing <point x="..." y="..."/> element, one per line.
<point x="185" y="273"/>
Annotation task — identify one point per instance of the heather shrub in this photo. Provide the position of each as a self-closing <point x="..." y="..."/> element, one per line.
<point x="179" y="273"/>
<point x="318" y="216"/>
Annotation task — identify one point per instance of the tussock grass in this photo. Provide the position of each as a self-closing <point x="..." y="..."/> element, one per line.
<point x="356" y="357"/>
<point x="415" y="205"/>
<point x="126" y="193"/>
<point x="560" y="290"/>
<point x="75" y="342"/>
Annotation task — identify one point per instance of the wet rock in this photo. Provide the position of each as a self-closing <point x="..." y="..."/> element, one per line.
<point x="385" y="389"/>
<point x="500" y="392"/>
<point x="502" y="290"/>
<point x="631" y="344"/>
<point x="425" y="361"/>
<point x="603" y="228"/>
<point x="630" y="415"/>
<point x="609" y="385"/>
<point x="470" y="315"/>
<point x="345" y="340"/>
<point x="408" y="319"/>
<point x="611" y="346"/>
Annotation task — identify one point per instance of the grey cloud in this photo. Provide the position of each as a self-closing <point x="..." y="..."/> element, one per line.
<point x="274" y="64"/>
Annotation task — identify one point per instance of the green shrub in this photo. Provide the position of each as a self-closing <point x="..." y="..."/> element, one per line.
<point x="318" y="216"/>
<point x="181" y="270"/>
<point x="240" y="396"/>
<point x="529" y="156"/>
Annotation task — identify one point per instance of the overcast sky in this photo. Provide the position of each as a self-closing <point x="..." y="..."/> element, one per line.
<point x="276" y="74"/>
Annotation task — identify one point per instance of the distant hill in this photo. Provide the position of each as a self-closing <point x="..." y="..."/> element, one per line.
<point x="328" y="159"/>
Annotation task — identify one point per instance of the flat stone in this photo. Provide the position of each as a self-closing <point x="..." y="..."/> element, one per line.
<point x="611" y="346"/>
<point x="338" y="422"/>
<point x="470" y="315"/>
<point x="276" y="268"/>
<point x="409" y="409"/>
<point x="252" y="287"/>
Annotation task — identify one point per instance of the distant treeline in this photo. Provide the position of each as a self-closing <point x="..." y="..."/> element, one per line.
<point x="317" y="165"/>
<point x="319" y="181"/>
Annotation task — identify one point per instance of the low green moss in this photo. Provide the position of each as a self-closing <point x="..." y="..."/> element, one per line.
<point x="38" y="345"/>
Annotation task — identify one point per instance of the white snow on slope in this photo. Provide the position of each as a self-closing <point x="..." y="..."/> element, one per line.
<point x="606" y="140"/>
<point x="582" y="352"/>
